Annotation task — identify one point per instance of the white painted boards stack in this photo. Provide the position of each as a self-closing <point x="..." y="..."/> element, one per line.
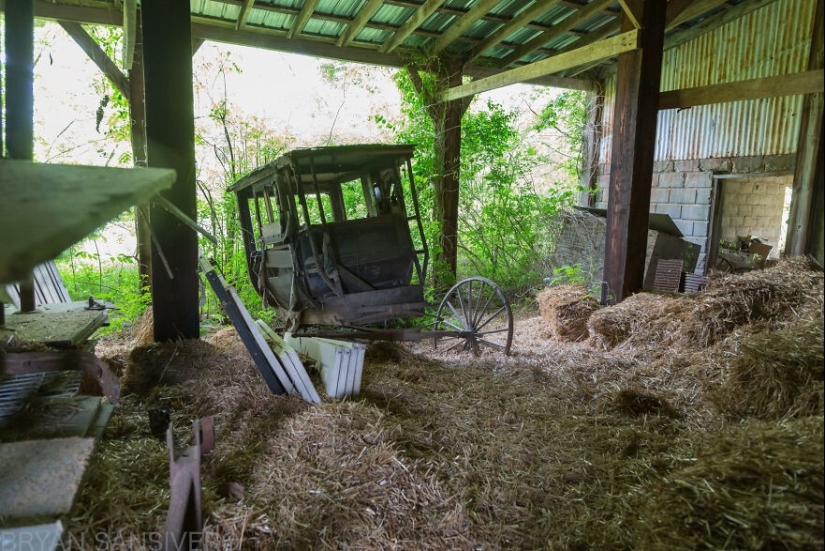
<point x="341" y="363"/>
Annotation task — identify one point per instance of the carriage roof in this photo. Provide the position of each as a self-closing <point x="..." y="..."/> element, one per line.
<point x="328" y="163"/>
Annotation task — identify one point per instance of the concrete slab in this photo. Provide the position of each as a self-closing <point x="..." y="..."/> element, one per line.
<point x="39" y="478"/>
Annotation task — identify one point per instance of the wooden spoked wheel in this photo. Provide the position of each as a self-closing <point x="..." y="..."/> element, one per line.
<point x="477" y="308"/>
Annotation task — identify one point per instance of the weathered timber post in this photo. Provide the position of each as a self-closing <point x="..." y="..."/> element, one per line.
<point x="631" y="162"/>
<point x="446" y="117"/>
<point x="170" y="134"/>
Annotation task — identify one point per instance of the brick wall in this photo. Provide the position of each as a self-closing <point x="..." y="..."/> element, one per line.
<point x="684" y="191"/>
<point x="753" y="206"/>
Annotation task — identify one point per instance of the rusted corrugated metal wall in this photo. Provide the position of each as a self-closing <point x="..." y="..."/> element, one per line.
<point x="773" y="40"/>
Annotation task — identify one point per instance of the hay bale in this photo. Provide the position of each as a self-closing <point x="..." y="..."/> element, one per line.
<point x="776" y="375"/>
<point x="143" y="332"/>
<point x="759" y="486"/>
<point x="784" y="294"/>
<point x="566" y="309"/>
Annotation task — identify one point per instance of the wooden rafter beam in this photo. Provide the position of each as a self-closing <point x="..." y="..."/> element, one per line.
<point x="608" y="47"/>
<point x="557" y="30"/>
<point x="98" y="56"/>
<point x="805" y="82"/>
<point x="675" y="8"/>
<point x="129" y="27"/>
<point x="633" y="10"/>
<point x="303" y="17"/>
<point x="714" y="22"/>
<point x="694" y="9"/>
<point x="364" y="15"/>
<point x="243" y="16"/>
<point x="507" y="29"/>
<point x="605" y="31"/>
<point x="463" y="23"/>
<point x="412" y="23"/>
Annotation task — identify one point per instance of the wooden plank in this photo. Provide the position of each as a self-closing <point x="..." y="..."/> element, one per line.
<point x="19" y="52"/>
<point x="303" y="17"/>
<point x="364" y="15"/>
<point x="98" y="56"/>
<point x="261" y="354"/>
<point x="462" y="23"/>
<point x="557" y="30"/>
<point x="714" y="22"/>
<point x="129" y="32"/>
<point x="695" y="9"/>
<point x="527" y="15"/>
<point x="624" y="42"/>
<point x="290" y="361"/>
<point x="633" y="10"/>
<point x="414" y="21"/>
<point x="36" y="193"/>
<point x="631" y="169"/>
<point x="805" y="82"/>
<point x="244" y="15"/>
<point x="808" y="167"/>
<point x="170" y="133"/>
<point x="62" y="325"/>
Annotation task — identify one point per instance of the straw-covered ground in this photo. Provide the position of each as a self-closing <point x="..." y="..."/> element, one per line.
<point x="673" y="422"/>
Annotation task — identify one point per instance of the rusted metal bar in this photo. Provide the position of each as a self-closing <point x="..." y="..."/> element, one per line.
<point x="184" y="521"/>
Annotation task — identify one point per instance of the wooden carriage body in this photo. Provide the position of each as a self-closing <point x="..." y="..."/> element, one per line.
<point x="333" y="235"/>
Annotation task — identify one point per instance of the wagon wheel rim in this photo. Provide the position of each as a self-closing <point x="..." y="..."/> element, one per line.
<point x="478" y="306"/>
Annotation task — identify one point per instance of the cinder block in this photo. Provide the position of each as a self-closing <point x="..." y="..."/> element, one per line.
<point x="685" y="226"/>
<point x="671" y="180"/>
<point x="700" y="229"/>
<point x="703" y="196"/>
<point x="700" y="180"/>
<point x="683" y="196"/>
<point x="659" y="195"/>
<point x="717" y="164"/>
<point x="674" y="211"/>
<point x="743" y="210"/>
<point x="779" y="162"/>
<point x="695" y="212"/>
<point x="687" y="165"/>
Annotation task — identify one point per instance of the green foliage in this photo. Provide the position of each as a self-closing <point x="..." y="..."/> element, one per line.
<point x="503" y="217"/>
<point x="568" y="275"/>
<point x="112" y="279"/>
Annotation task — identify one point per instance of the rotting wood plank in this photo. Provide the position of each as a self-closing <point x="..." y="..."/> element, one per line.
<point x="75" y="200"/>
<point x="62" y="325"/>
<point x="261" y="354"/>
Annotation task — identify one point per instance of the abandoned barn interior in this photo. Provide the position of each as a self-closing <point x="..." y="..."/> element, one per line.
<point x="665" y="413"/>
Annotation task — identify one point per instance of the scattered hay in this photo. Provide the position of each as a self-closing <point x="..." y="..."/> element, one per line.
<point x="560" y="446"/>
<point x="786" y="293"/>
<point x="777" y="375"/>
<point x="566" y="309"/>
<point x="759" y="486"/>
<point x="635" y="403"/>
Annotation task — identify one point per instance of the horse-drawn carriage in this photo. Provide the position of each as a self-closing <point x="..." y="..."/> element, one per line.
<point x="334" y="238"/>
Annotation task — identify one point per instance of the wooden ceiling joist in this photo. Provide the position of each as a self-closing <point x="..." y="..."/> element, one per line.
<point x="414" y="21"/>
<point x="243" y="16"/>
<point x="364" y="15"/>
<point x="714" y="22"/>
<point x="462" y="23"/>
<point x="693" y="9"/>
<point x="535" y="10"/>
<point x="633" y="10"/>
<point x="303" y="17"/>
<point x="608" y="47"/>
<point x="562" y="27"/>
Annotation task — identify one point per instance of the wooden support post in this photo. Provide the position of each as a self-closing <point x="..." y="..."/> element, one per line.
<point x="137" y="109"/>
<point x="170" y="134"/>
<point x="19" y="26"/>
<point x="631" y="162"/>
<point x="446" y="117"/>
<point x="590" y="148"/>
<point x="808" y="168"/>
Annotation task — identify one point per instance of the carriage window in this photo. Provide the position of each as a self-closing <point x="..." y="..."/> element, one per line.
<point x="355" y="207"/>
<point x="314" y="209"/>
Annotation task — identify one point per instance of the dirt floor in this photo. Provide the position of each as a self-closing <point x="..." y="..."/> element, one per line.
<point x="675" y="422"/>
